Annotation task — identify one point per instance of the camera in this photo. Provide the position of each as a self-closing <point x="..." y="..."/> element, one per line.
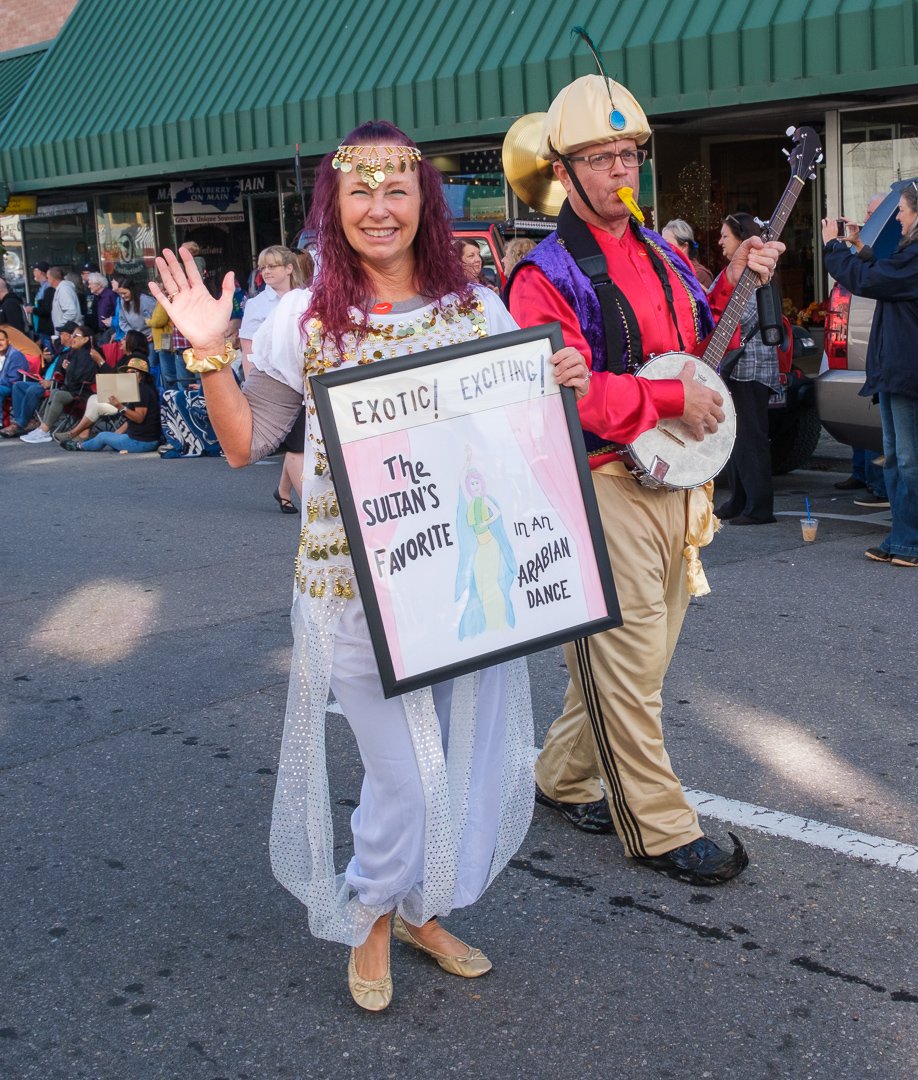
<point x="841" y="227"/>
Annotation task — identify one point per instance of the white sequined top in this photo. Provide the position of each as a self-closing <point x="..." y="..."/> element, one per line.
<point x="280" y="349"/>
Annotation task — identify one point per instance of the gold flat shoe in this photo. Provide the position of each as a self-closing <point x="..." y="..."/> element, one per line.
<point x="374" y="995"/>
<point x="470" y="966"/>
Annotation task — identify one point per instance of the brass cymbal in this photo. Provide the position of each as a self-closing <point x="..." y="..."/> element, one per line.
<point x="531" y="176"/>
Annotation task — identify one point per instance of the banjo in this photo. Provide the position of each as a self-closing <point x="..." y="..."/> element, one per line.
<point x="668" y="455"/>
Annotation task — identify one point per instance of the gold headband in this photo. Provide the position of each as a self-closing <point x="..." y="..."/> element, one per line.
<point x="375" y="163"/>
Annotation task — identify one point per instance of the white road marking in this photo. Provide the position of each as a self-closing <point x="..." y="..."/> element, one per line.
<point x="848" y="842"/>
<point x="855" y="845"/>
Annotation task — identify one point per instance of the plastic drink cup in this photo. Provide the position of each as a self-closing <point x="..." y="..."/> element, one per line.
<point x="808" y="527"/>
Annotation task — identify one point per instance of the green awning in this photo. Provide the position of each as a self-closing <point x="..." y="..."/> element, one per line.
<point x="202" y="84"/>
<point x="16" y="68"/>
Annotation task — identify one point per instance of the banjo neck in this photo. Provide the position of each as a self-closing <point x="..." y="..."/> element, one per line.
<point x="719" y="342"/>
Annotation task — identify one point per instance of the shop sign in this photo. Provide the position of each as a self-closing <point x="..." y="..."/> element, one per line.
<point x="21" y="204"/>
<point x="262" y="184"/>
<point x="159" y="194"/>
<point x="206" y="202"/>
<point x="59" y="209"/>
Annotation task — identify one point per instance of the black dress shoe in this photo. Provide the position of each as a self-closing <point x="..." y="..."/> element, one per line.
<point x="286" y="506"/>
<point x="725" y="512"/>
<point x="701" y="862"/>
<point x="851" y="484"/>
<point x="591" y="817"/>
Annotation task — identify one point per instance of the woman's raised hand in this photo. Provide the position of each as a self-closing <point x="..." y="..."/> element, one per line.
<point x="201" y="318"/>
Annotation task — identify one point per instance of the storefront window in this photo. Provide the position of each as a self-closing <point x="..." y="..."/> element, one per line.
<point x="878" y="146"/>
<point x="474" y="185"/>
<point x="126" y="239"/>
<point x="11" y="246"/>
<point x="295" y="207"/>
<point x="61" y="234"/>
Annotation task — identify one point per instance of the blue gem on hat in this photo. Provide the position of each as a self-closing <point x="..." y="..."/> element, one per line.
<point x="617" y="120"/>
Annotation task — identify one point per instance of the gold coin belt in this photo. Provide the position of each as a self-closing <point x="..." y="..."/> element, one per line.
<point x="319" y="547"/>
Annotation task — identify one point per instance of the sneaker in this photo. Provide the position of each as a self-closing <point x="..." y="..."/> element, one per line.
<point x="701" y="862"/>
<point x="591" y="817"/>
<point x="37" y="436"/>
<point x="872" y="500"/>
<point x="12" y="431"/>
<point x="904" y="560"/>
<point x="878" y="554"/>
<point x="72" y="444"/>
<point x="851" y="484"/>
<point x="60" y="436"/>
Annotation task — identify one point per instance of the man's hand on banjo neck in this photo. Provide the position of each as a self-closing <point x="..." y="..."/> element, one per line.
<point x="703" y="412"/>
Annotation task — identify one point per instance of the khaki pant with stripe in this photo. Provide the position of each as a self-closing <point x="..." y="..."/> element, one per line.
<point x="611" y="726"/>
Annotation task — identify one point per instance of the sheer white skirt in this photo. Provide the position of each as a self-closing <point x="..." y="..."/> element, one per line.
<point x="447" y="795"/>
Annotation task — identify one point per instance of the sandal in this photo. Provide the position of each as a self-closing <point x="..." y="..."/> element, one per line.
<point x="286" y="506"/>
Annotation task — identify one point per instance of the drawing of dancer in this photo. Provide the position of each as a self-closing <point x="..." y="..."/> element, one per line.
<point x="487" y="566"/>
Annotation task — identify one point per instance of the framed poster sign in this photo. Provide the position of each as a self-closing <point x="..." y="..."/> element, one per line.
<point x="468" y="506"/>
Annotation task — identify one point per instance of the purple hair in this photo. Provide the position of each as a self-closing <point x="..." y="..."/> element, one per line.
<point x="342" y="282"/>
<point x="474" y="474"/>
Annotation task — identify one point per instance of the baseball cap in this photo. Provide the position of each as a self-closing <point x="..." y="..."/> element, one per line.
<point x="43" y="266"/>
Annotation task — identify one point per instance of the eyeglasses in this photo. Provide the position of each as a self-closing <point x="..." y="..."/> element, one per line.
<point x="605" y="161"/>
<point x="269" y="266"/>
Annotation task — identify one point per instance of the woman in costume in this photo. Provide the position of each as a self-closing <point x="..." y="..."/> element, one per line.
<point x="431" y="831"/>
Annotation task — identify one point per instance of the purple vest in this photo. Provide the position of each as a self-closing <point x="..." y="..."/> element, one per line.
<point x="558" y="265"/>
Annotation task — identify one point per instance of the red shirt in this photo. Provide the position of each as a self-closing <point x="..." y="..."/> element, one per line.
<point x="621" y="407"/>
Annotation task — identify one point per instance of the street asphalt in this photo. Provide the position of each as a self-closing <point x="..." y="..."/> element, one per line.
<point x="145" y="643"/>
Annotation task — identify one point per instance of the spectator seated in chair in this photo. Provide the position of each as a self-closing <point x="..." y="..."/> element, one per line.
<point x="140" y="432"/>
<point x="80" y="367"/>
<point x="13" y="365"/>
<point x="133" y="347"/>
<point x="29" y="392"/>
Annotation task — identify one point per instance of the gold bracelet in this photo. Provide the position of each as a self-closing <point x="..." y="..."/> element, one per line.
<point x="209" y="363"/>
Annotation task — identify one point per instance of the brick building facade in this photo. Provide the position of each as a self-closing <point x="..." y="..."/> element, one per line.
<point x="30" y="24"/>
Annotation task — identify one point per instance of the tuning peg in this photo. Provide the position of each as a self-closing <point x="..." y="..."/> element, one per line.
<point x="790" y="131"/>
<point x="812" y="175"/>
<point x="819" y="159"/>
<point x="785" y="151"/>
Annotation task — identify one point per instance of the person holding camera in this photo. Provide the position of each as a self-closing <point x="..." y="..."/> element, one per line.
<point x="891" y="370"/>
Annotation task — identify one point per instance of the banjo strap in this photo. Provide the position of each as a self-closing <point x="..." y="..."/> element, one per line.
<point x="660" y="270"/>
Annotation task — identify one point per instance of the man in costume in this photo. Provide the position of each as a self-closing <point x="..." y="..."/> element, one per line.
<point x="610" y="727"/>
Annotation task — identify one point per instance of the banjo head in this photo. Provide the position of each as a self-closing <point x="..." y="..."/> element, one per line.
<point x="668" y="453"/>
